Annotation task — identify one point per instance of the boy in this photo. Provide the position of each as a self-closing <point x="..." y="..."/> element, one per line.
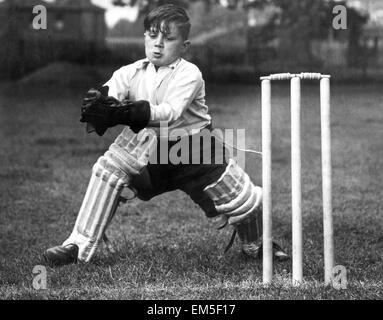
<point x="161" y="100"/>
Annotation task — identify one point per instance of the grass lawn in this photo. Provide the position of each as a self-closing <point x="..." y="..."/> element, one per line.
<point x="164" y="251"/>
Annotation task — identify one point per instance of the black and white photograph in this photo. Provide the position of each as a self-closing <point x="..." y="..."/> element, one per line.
<point x="205" y="151"/>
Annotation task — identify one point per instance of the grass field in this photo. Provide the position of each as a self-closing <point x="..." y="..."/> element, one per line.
<point x="164" y="251"/>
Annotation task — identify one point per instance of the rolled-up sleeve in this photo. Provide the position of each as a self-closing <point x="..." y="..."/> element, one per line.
<point x="178" y="97"/>
<point x="119" y="83"/>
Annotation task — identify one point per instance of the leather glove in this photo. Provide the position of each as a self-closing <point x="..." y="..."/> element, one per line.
<point x="91" y="97"/>
<point x="106" y="112"/>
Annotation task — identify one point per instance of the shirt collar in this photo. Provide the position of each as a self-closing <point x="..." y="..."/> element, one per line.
<point x="174" y="64"/>
<point x="144" y="62"/>
<point x="141" y="64"/>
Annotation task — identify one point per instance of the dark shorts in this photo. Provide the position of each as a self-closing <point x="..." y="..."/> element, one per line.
<point x="159" y="178"/>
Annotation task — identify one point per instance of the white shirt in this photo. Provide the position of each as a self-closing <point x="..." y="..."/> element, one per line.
<point x="176" y="94"/>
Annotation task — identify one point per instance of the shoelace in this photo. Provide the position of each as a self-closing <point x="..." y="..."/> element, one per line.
<point x="230" y="244"/>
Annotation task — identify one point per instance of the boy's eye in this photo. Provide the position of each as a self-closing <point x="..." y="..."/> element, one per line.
<point x="154" y="35"/>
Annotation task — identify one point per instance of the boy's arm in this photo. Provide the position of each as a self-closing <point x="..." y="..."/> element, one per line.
<point x="139" y="114"/>
<point x="118" y="85"/>
<point x="178" y="99"/>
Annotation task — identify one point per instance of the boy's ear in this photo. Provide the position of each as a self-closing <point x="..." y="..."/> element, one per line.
<point x="186" y="45"/>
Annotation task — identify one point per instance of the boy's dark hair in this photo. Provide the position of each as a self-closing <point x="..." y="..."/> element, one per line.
<point x="166" y="14"/>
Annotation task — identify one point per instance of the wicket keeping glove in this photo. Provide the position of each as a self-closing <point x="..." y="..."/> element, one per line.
<point x="106" y="112"/>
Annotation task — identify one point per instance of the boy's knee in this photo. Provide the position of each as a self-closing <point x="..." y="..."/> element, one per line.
<point x="128" y="155"/>
<point x="234" y="195"/>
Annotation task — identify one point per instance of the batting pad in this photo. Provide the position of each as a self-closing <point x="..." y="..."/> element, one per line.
<point x="234" y="195"/>
<point x="113" y="171"/>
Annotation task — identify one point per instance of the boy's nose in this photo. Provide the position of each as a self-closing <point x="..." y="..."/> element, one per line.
<point x="159" y="41"/>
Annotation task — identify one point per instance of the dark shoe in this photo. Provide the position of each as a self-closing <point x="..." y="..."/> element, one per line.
<point x="61" y="255"/>
<point x="279" y="254"/>
<point x="250" y="234"/>
<point x="252" y="249"/>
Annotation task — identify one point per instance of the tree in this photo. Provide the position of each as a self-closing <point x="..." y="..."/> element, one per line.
<point x="282" y="30"/>
<point x="147" y="5"/>
<point x="297" y="25"/>
<point x="357" y="51"/>
<point x="289" y="33"/>
<point x="11" y="50"/>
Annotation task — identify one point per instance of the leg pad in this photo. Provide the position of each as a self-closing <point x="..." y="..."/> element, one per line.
<point x="113" y="171"/>
<point x="234" y="195"/>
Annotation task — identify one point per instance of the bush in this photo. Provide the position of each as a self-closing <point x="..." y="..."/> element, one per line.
<point x="219" y="62"/>
<point x="19" y="56"/>
<point x="125" y="52"/>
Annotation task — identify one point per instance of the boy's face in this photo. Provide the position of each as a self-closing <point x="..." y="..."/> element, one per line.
<point x="163" y="49"/>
